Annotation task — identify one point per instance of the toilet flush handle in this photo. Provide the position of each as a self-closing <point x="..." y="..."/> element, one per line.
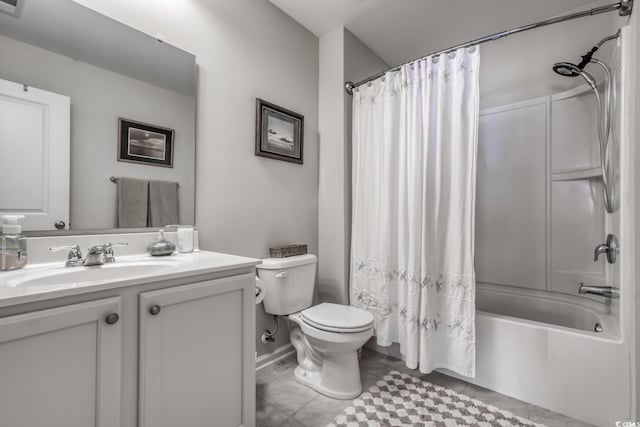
<point x="282" y="274"/>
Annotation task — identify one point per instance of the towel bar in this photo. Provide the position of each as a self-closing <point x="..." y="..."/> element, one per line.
<point x="114" y="179"/>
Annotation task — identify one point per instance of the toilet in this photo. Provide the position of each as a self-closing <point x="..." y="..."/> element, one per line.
<point x="326" y="336"/>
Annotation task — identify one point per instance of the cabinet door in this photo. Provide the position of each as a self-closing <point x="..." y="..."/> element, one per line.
<point x="196" y="347"/>
<point x="61" y="367"/>
<point x="34" y="155"/>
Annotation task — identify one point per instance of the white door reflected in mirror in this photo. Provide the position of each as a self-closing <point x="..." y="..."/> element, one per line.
<point x="34" y="155"/>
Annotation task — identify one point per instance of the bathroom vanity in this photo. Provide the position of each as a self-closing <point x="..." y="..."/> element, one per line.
<point x="142" y="341"/>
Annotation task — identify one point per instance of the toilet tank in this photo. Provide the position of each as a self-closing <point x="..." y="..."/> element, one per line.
<point x="288" y="283"/>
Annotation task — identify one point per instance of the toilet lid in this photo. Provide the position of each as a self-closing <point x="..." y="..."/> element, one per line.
<point x="338" y="317"/>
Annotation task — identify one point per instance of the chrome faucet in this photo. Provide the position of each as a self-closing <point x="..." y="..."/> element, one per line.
<point x="101" y="254"/>
<point x="610" y="248"/>
<point x="97" y="255"/>
<point x="603" y="291"/>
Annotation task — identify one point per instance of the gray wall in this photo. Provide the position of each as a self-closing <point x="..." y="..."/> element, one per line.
<point x="244" y="49"/>
<point x="342" y="58"/>
<point x="98" y="98"/>
<point x="331" y="197"/>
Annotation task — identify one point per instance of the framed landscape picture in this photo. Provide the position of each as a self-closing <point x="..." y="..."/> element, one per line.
<point x="145" y="143"/>
<point x="279" y="132"/>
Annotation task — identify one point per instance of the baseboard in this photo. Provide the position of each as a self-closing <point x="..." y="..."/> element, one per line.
<point x="279" y="353"/>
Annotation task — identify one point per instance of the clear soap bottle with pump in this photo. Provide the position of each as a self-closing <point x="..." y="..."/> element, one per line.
<point x="13" y="244"/>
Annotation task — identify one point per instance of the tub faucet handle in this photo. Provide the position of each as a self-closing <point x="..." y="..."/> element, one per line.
<point x="602" y="248"/>
<point x="610" y="248"/>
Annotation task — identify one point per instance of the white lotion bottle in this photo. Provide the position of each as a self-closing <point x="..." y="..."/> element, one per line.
<point x="185" y="238"/>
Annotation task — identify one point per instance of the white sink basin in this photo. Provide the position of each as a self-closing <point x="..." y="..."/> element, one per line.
<point x="47" y="280"/>
<point x="58" y="276"/>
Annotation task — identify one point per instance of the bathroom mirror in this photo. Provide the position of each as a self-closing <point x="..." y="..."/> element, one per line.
<point x="87" y="103"/>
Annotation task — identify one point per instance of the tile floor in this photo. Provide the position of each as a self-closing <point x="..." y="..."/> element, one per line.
<point x="282" y="402"/>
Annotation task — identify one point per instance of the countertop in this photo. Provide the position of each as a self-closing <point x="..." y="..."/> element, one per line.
<point x="43" y="281"/>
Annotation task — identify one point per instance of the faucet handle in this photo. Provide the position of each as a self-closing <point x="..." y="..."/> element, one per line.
<point x="113" y="245"/>
<point x="74" y="250"/>
<point x="62" y="248"/>
<point x="75" y="254"/>
<point x="108" y="251"/>
<point x="610" y="248"/>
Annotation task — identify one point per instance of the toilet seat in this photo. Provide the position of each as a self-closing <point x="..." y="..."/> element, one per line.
<point x="337" y="318"/>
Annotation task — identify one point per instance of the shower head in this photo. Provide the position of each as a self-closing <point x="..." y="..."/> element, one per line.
<point x="568" y="69"/>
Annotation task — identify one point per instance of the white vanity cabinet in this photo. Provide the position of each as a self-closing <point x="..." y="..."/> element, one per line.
<point x="61" y="366"/>
<point x="169" y="350"/>
<point x="194" y="342"/>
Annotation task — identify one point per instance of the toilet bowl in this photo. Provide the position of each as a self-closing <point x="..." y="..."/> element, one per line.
<point x="327" y="352"/>
<point x="326" y="336"/>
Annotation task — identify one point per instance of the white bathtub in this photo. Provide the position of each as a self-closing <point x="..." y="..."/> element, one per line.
<point x="542" y="349"/>
<point x="569" y="311"/>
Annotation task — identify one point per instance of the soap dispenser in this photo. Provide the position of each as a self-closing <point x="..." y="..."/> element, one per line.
<point x="161" y="247"/>
<point x="13" y="244"/>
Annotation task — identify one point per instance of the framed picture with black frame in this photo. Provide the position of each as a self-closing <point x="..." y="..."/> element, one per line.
<point x="145" y="143"/>
<point x="279" y="132"/>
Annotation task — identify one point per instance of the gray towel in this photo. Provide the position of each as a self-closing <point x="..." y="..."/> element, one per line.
<point x="133" y="206"/>
<point x="163" y="203"/>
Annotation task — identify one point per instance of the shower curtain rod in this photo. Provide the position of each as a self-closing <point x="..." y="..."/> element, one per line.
<point x="623" y="7"/>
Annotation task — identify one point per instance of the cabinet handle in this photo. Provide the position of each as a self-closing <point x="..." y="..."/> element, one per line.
<point x="112" y="318"/>
<point x="155" y="309"/>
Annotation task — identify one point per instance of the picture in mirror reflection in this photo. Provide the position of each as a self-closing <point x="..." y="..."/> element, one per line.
<point x="144" y="143"/>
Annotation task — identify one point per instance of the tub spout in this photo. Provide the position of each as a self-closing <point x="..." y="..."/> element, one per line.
<point x="603" y="291"/>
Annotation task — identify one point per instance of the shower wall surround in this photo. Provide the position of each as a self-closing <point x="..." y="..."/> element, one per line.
<point x="539" y="195"/>
<point x="538" y="184"/>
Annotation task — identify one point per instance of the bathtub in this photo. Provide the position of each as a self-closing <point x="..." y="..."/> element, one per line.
<point x="542" y="348"/>
<point x="574" y="312"/>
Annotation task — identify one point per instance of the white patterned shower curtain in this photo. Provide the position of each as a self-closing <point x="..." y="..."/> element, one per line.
<point x="415" y="136"/>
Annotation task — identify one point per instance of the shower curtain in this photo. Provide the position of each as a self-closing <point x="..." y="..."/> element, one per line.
<point x="415" y="135"/>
